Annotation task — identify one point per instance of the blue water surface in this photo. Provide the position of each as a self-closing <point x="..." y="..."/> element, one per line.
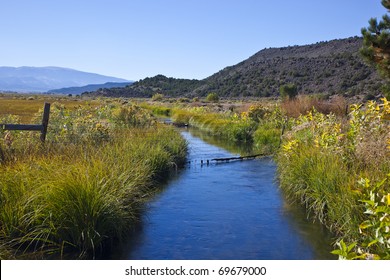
<point x="229" y="210"/>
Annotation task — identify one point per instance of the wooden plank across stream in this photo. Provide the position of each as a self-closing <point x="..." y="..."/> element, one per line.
<point x="237" y="158"/>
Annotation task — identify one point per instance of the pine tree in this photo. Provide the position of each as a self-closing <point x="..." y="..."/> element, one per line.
<point x="376" y="42"/>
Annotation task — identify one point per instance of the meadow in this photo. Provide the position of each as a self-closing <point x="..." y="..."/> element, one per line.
<point x="81" y="191"/>
<point x="26" y="106"/>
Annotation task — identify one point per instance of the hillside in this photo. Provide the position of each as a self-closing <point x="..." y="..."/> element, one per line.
<point x="95" y="87"/>
<point x="42" y="79"/>
<point x="325" y="67"/>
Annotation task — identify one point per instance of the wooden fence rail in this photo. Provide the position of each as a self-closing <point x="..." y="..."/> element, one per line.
<point x="33" y="127"/>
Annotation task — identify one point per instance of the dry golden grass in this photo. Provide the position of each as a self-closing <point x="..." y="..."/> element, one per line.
<point x="27" y="106"/>
<point x="303" y="104"/>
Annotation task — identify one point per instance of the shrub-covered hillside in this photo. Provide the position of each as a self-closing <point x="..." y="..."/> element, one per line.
<point x="325" y="67"/>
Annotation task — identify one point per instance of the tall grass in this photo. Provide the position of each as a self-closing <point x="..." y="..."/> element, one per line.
<point x="75" y="195"/>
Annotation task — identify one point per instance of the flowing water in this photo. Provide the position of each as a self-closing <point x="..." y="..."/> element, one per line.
<point x="229" y="210"/>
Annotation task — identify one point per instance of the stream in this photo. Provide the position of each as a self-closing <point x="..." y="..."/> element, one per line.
<point x="231" y="210"/>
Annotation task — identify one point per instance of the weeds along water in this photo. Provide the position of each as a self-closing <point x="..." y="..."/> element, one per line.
<point x="82" y="190"/>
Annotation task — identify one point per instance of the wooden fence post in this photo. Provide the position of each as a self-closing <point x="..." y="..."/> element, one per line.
<point x="45" y="121"/>
<point x="32" y="127"/>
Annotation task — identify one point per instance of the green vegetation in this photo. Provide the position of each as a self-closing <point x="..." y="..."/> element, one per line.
<point x="83" y="189"/>
<point x="375" y="235"/>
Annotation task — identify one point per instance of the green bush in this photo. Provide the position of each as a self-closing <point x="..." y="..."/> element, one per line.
<point x="212" y="97"/>
<point x="289" y="91"/>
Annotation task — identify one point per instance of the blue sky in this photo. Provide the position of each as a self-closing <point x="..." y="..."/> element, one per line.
<point x="134" y="39"/>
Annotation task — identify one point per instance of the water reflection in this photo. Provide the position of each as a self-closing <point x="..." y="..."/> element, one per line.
<point x="240" y="148"/>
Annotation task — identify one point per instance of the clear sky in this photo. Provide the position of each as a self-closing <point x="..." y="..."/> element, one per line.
<point x="134" y="39"/>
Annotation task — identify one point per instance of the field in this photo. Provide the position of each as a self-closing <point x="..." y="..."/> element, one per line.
<point x="25" y="107"/>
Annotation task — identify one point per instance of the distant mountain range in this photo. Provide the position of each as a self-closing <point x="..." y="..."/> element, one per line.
<point x="43" y="79"/>
<point x="88" y="88"/>
<point x="325" y="67"/>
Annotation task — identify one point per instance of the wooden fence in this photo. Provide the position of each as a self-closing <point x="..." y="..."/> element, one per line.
<point x="33" y="127"/>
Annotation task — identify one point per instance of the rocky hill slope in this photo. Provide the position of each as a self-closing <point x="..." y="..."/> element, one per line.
<point x="325" y="67"/>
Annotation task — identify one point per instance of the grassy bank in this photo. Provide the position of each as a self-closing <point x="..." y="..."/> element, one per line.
<point x="83" y="189"/>
<point x="337" y="167"/>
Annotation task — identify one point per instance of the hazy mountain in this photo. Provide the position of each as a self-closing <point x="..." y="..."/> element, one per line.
<point x="42" y="79"/>
<point x="87" y="88"/>
<point x="325" y="67"/>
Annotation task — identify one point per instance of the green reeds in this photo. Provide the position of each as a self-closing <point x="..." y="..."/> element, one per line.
<point x="267" y="138"/>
